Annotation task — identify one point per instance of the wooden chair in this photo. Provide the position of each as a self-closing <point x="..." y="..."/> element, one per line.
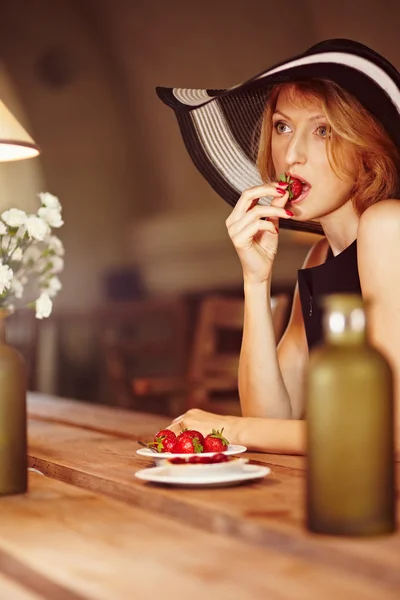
<point x="211" y="381"/>
<point x="213" y="369"/>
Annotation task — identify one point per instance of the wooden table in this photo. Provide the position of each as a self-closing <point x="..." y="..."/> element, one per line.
<point x="88" y="529"/>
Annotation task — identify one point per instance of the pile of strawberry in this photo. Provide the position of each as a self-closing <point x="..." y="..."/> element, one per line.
<point x="189" y="441"/>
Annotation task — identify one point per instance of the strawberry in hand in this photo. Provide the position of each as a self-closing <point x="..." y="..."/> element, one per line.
<point x="185" y="444"/>
<point x="295" y="188"/>
<point x="215" y="442"/>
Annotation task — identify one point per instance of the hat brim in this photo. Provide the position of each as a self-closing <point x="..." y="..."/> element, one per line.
<point x="221" y="128"/>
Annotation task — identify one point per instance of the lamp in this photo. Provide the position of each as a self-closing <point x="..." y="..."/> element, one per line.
<point x="15" y="142"/>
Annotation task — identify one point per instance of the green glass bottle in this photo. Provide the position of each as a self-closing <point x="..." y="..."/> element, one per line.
<point x="13" y="452"/>
<point x="350" y="428"/>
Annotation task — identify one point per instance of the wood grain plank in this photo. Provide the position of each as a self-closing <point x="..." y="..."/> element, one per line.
<point x="93" y="417"/>
<point x="269" y="513"/>
<point x="96" y="548"/>
<point x="120" y="423"/>
<point x="281" y="460"/>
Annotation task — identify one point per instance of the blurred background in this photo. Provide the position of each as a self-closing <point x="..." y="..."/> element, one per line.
<point x="145" y="238"/>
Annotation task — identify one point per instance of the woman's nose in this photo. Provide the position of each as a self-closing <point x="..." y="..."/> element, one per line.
<point x="296" y="151"/>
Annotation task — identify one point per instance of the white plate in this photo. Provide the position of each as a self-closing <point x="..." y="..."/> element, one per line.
<point x="160" y="475"/>
<point x="160" y="456"/>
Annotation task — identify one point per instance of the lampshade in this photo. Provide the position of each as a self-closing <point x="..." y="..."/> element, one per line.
<point x="15" y="142"/>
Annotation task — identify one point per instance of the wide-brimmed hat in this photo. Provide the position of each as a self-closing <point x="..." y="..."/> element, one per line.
<point x="220" y="128"/>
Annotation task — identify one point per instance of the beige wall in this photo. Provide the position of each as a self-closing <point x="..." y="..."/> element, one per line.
<point x="79" y="125"/>
<point x="112" y="152"/>
<point x="179" y="237"/>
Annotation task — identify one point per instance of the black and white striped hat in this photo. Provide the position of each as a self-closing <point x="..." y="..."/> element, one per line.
<point x="220" y="128"/>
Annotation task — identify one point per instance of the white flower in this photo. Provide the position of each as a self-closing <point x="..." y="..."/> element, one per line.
<point x="52" y="216"/>
<point x="57" y="264"/>
<point x="14" y="217"/>
<point x="56" y="245"/>
<point x="49" y="200"/>
<point x="54" y="286"/>
<point x="36" y="227"/>
<point x="17" y="254"/>
<point x="6" y="276"/>
<point x="43" y="306"/>
<point x="31" y="254"/>
<point x="17" y="288"/>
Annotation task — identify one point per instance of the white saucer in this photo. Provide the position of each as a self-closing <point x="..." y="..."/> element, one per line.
<point x="160" y="475"/>
<point x="160" y="456"/>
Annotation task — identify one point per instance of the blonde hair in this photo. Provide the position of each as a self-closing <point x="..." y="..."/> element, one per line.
<point x="375" y="159"/>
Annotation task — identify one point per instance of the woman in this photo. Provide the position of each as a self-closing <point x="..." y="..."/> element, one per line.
<point x="329" y="119"/>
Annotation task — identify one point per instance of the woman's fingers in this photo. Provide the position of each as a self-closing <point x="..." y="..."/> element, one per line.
<point x="244" y="238"/>
<point x="250" y="196"/>
<point x="175" y="428"/>
<point x="257" y="213"/>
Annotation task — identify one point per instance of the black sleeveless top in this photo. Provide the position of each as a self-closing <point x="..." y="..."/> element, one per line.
<point x="337" y="274"/>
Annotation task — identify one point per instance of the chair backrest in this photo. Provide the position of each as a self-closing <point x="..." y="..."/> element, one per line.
<point x="215" y="355"/>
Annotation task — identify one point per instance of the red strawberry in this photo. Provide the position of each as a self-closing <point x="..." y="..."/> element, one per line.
<point x="164" y="433"/>
<point x="295" y="189"/>
<point x="187" y="445"/>
<point x="164" y="441"/>
<point x="295" y="186"/>
<point x="194" y="434"/>
<point x="215" y="442"/>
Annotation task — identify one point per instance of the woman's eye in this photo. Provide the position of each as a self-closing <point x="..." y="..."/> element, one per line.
<point x="281" y="127"/>
<point x="323" y="131"/>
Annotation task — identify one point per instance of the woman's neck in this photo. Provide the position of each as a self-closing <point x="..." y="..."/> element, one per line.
<point x="340" y="227"/>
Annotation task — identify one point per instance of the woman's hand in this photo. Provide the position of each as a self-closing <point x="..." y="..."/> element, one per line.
<point x="254" y="229"/>
<point x="204" y="422"/>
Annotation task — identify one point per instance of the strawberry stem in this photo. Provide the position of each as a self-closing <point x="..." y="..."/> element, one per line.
<point x="218" y="435"/>
<point x="197" y="446"/>
<point x="146" y="445"/>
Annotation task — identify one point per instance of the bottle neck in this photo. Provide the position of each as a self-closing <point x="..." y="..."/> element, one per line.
<point x="345" y="327"/>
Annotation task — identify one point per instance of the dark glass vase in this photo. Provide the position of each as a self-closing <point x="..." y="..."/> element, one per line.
<point x="13" y="430"/>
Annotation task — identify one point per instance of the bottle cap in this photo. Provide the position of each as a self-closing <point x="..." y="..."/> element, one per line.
<point x="344" y="315"/>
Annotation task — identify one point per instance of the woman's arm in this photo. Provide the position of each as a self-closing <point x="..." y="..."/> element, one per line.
<point x="271" y="381"/>
<point x="260" y="378"/>
<point x="262" y="390"/>
<point x="277" y="436"/>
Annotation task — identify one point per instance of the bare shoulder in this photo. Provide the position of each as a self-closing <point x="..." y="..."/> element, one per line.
<point x="380" y="223"/>
<point x="388" y="210"/>
<point x="378" y="243"/>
